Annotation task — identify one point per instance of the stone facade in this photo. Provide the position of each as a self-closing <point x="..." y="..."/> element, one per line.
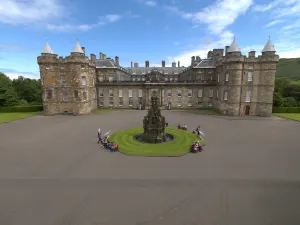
<point x="231" y="83"/>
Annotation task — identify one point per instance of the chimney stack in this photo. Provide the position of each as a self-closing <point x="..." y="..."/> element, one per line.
<point x="163" y="63"/>
<point x="136" y="64"/>
<point x="147" y="63"/>
<point x="93" y="58"/>
<point x="83" y="49"/>
<point x="251" y="54"/>
<point x="226" y="49"/>
<point x="117" y="60"/>
<point x="178" y="63"/>
<point x="104" y="56"/>
<point x="131" y="65"/>
<point x="173" y="64"/>
<point x="101" y="55"/>
<point x="193" y="60"/>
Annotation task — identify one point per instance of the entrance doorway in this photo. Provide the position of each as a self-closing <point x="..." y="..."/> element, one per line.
<point x="247" y="110"/>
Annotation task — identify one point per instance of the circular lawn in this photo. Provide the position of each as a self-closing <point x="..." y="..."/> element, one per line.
<point x="178" y="147"/>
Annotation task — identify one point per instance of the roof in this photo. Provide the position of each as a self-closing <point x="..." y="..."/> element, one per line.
<point x="233" y="47"/>
<point x="47" y="49"/>
<point x="146" y="70"/>
<point x="206" y="63"/>
<point x="77" y="48"/>
<point x="105" y="63"/>
<point x="269" y="47"/>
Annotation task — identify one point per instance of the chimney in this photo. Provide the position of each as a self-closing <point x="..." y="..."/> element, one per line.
<point x="131" y="65"/>
<point x="226" y="49"/>
<point x="136" y="64"/>
<point x="93" y="58"/>
<point x="104" y="56"/>
<point x="178" y="63"/>
<point x="193" y="60"/>
<point x="198" y="58"/>
<point x="163" y="63"/>
<point x="173" y="64"/>
<point x="101" y="55"/>
<point x="251" y="54"/>
<point x="117" y="60"/>
<point x="83" y="49"/>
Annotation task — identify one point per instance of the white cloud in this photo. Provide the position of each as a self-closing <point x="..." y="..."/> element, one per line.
<point x="10" y="47"/>
<point x="150" y="3"/>
<point x="111" y="18"/>
<point x="24" y="12"/>
<point x="69" y="28"/>
<point x="13" y="74"/>
<point x="274" y="22"/>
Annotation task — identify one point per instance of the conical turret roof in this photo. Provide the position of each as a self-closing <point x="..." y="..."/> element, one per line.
<point x="77" y="48"/>
<point x="269" y="47"/>
<point x="47" y="49"/>
<point x="233" y="47"/>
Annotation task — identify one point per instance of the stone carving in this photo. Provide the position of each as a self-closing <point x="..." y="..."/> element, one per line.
<point x="154" y="123"/>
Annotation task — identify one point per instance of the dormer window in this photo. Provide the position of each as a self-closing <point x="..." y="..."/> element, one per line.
<point x="143" y="71"/>
<point x="166" y="71"/>
<point x="133" y="72"/>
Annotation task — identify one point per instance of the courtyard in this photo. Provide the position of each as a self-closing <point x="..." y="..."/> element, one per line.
<point x="53" y="172"/>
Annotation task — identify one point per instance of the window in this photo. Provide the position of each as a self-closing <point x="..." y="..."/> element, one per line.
<point x="175" y="72"/>
<point x="83" y="81"/>
<point x="143" y="78"/>
<point x="210" y="104"/>
<point x="250" y="67"/>
<point x="250" y="76"/>
<point x="226" y="77"/>
<point x="101" y="79"/>
<point x="200" y="92"/>
<point x="190" y="93"/>
<point x="133" y="79"/>
<point x="62" y="79"/>
<point x="225" y="95"/>
<point x="94" y="93"/>
<point x="101" y="103"/>
<point x="101" y="92"/>
<point x="211" y="77"/>
<point x="171" y="78"/>
<point x="166" y="71"/>
<point x="75" y="93"/>
<point x="65" y="96"/>
<point x="84" y="96"/>
<point x="179" y="93"/>
<point x="169" y="93"/>
<point x="210" y="71"/>
<point x="82" y="66"/>
<point x="120" y="101"/>
<point x="110" y="79"/>
<point x="130" y="93"/>
<point x="130" y="102"/>
<point x="140" y="93"/>
<point x="217" y="93"/>
<point x="111" y="102"/>
<point x="201" y="77"/>
<point x="166" y="79"/>
<point x="49" y="94"/>
<point x="211" y="93"/>
<point x="133" y="72"/>
<point x="248" y="96"/>
<point x="120" y="93"/>
<point x="110" y="93"/>
<point x="218" y="78"/>
<point x="175" y="79"/>
<point x="143" y="72"/>
<point x="139" y="79"/>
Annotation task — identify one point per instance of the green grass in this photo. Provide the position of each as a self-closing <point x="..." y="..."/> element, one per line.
<point x="203" y="111"/>
<point x="291" y="116"/>
<point x="106" y="111"/>
<point x="7" y="117"/>
<point x="177" y="147"/>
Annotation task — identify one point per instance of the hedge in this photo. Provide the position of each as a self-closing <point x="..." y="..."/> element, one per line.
<point x="30" y="108"/>
<point x="286" y="109"/>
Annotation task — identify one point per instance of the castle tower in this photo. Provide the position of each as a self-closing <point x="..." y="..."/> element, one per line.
<point x="68" y="84"/>
<point x="268" y="62"/>
<point x="230" y="89"/>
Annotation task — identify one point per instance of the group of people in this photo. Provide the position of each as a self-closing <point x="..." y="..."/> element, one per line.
<point x="184" y="127"/>
<point x="111" y="146"/>
<point x="196" y="147"/>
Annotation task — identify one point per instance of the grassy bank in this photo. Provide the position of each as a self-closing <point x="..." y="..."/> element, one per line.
<point x="7" y="117"/>
<point x="291" y="116"/>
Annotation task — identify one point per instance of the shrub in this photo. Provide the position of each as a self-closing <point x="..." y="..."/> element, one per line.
<point x="29" y="108"/>
<point x="286" y="110"/>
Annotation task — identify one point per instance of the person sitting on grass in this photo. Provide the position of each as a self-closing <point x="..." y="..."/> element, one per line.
<point x="184" y="127"/>
<point x="99" y="136"/>
<point x="179" y="126"/>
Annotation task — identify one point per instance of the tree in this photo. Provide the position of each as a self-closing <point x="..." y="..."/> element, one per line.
<point x="278" y="100"/>
<point x="8" y="96"/>
<point x="290" y="102"/>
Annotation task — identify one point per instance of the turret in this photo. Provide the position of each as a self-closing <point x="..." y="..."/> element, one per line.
<point x="77" y="49"/>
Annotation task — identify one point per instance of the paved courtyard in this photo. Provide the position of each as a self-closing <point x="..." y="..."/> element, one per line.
<point x="52" y="172"/>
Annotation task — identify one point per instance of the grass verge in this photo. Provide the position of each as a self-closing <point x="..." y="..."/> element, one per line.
<point x="7" y="117"/>
<point x="203" y="111"/>
<point x="106" y="111"/>
<point x="291" y="116"/>
<point x="177" y="147"/>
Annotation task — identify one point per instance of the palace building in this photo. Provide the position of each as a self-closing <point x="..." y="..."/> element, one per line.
<point x="229" y="82"/>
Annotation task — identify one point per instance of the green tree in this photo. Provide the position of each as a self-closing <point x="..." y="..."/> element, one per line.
<point x="8" y="96"/>
<point x="278" y="100"/>
<point x="290" y="102"/>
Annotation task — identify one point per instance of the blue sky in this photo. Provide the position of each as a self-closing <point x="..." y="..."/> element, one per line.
<point x="139" y="30"/>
